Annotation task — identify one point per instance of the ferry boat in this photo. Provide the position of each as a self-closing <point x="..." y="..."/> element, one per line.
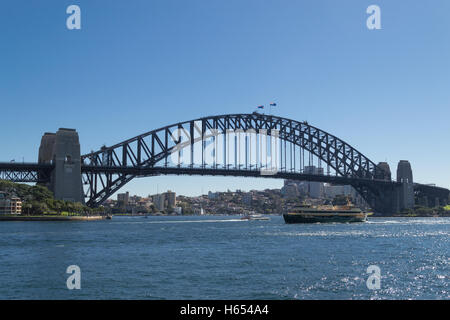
<point x="324" y="214"/>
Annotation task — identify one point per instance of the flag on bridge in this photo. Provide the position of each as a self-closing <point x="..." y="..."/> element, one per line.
<point x="273" y="104"/>
<point x="260" y="107"/>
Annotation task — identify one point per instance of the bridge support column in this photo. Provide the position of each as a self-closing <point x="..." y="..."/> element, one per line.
<point x="404" y="175"/>
<point x="63" y="150"/>
<point x="386" y="200"/>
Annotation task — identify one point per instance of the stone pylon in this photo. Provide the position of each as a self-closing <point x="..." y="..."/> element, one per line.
<point x="63" y="150"/>
<point x="406" y="193"/>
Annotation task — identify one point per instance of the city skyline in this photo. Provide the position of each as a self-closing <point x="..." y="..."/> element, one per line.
<point x="385" y="91"/>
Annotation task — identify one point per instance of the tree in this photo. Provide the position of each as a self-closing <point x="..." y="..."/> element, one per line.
<point x="38" y="207"/>
<point x="78" y="207"/>
<point x="40" y="193"/>
<point x="26" y="206"/>
<point x="58" y="206"/>
<point x="68" y="206"/>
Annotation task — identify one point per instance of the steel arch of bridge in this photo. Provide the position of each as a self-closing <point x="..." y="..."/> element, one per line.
<point x="110" y="168"/>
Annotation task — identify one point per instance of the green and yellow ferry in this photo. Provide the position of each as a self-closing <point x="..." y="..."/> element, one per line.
<point x="324" y="214"/>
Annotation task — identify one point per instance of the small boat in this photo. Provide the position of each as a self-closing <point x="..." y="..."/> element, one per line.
<point x="254" y="217"/>
<point x="108" y="217"/>
<point x="324" y="214"/>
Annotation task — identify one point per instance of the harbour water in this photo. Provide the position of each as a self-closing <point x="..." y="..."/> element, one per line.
<point x="224" y="257"/>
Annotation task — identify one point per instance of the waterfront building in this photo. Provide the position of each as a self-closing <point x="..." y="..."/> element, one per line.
<point x="315" y="189"/>
<point x="159" y="201"/>
<point x="144" y="202"/>
<point x="10" y="205"/>
<point x="170" y="198"/>
<point x="290" y="190"/>
<point x="311" y="188"/>
<point x="247" y="198"/>
<point x="212" y="195"/>
<point x="123" y="199"/>
<point x="134" y="200"/>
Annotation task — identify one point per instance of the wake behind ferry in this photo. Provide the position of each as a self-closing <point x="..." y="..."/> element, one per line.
<point x="326" y="213"/>
<point x="254" y="217"/>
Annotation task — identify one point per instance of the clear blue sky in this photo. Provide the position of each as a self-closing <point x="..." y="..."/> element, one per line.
<point x="138" y="65"/>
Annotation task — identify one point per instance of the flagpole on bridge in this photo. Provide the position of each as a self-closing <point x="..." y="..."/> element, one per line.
<point x="260" y="107"/>
<point x="272" y="104"/>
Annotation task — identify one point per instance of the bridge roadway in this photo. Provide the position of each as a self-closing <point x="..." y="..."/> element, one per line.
<point x="187" y="170"/>
<point x="25" y="172"/>
<point x="30" y="171"/>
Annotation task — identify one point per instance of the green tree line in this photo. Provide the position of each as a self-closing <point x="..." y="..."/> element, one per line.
<point x="38" y="200"/>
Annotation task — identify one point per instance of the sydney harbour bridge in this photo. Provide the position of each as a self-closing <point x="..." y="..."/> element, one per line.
<point x="242" y="145"/>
